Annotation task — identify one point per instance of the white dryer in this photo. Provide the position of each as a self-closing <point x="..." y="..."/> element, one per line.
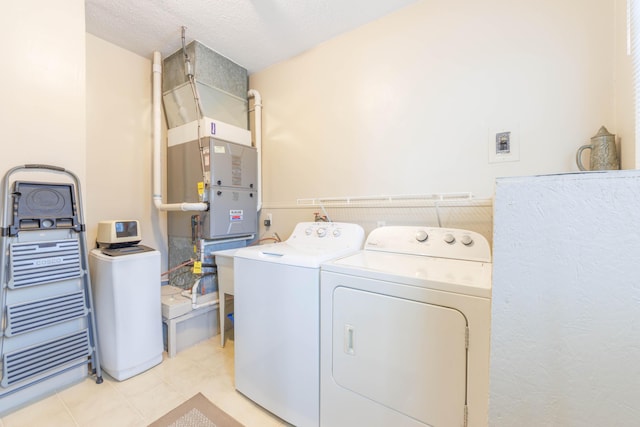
<point x="405" y="331"/>
<point x="277" y="318"/>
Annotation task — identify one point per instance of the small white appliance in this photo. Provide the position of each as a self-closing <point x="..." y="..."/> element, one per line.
<point x="118" y="233"/>
<point x="276" y="314"/>
<point x="405" y="330"/>
<point x="125" y="279"/>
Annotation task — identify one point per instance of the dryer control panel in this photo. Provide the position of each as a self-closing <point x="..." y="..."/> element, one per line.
<point x="438" y="242"/>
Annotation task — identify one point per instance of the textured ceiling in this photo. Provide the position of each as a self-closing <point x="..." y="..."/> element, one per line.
<point x="253" y="33"/>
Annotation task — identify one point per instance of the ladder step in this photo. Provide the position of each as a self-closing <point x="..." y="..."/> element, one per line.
<point x="37" y="263"/>
<point x="33" y="315"/>
<point x="45" y="358"/>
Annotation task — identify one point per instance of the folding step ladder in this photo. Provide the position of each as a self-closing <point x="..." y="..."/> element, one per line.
<point x="48" y="332"/>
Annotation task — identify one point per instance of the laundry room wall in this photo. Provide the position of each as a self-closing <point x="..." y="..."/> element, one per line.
<point x="119" y="144"/>
<point x="42" y="82"/>
<point x="404" y="105"/>
<point x="399" y="106"/>
<point x="410" y="104"/>
<point x="624" y="107"/>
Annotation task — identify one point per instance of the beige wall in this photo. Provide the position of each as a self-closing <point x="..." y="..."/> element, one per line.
<point x="405" y="104"/>
<point x="402" y="105"/>
<point x="82" y="104"/>
<point x="119" y="144"/>
<point x="624" y="102"/>
<point x="42" y="87"/>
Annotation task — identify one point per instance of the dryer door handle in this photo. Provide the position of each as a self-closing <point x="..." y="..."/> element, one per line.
<point x="349" y="335"/>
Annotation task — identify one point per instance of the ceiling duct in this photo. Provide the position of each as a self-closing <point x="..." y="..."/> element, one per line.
<point x="221" y="85"/>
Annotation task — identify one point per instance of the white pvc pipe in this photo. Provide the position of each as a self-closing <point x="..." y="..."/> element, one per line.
<point x="157" y="136"/>
<point x="206" y="304"/>
<point x="194" y="296"/>
<point x="257" y="105"/>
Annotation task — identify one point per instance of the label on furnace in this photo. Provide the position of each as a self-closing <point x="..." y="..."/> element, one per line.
<point x="236" y="215"/>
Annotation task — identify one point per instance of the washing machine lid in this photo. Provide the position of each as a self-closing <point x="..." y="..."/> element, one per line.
<point x="449" y="275"/>
<point x="310" y="244"/>
<point x="285" y="253"/>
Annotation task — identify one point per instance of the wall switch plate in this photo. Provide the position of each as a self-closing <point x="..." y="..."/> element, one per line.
<point x="504" y="145"/>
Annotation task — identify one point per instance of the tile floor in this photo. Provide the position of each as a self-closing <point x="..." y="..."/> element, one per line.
<point x="140" y="400"/>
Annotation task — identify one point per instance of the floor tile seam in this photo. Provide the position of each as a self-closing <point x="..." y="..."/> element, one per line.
<point x="176" y="387"/>
<point x="106" y="383"/>
<point x="66" y="408"/>
<point x="204" y="361"/>
<point x="195" y="364"/>
<point x="209" y="369"/>
<point x="127" y="400"/>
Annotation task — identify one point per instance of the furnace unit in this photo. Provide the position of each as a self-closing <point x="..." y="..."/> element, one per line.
<point x="210" y="159"/>
<point x="220" y="169"/>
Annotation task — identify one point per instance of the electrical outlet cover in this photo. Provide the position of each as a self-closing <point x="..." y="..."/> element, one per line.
<point x="504" y="144"/>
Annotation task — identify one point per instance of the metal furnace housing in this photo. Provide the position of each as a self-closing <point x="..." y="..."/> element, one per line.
<point x="231" y="169"/>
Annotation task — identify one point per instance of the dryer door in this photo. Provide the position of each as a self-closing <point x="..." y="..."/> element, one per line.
<point x="405" y="355"/>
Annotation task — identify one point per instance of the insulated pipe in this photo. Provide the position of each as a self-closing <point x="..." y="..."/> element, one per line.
<point x="157" y="132"/>
<point x="257" y="106"/>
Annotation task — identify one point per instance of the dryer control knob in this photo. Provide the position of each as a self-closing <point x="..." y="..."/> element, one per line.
<point x="321" y="232"/>
<point x="422" y="236"/>
<point x="449" y="238"/>
<point x="336" y="232"/>
<point x="466" y="240"/>
<point x="308" y="231"/>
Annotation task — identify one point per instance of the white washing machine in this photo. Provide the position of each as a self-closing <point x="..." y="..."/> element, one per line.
<point x="405" y="331"/>
<point x="277" y="318"/>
